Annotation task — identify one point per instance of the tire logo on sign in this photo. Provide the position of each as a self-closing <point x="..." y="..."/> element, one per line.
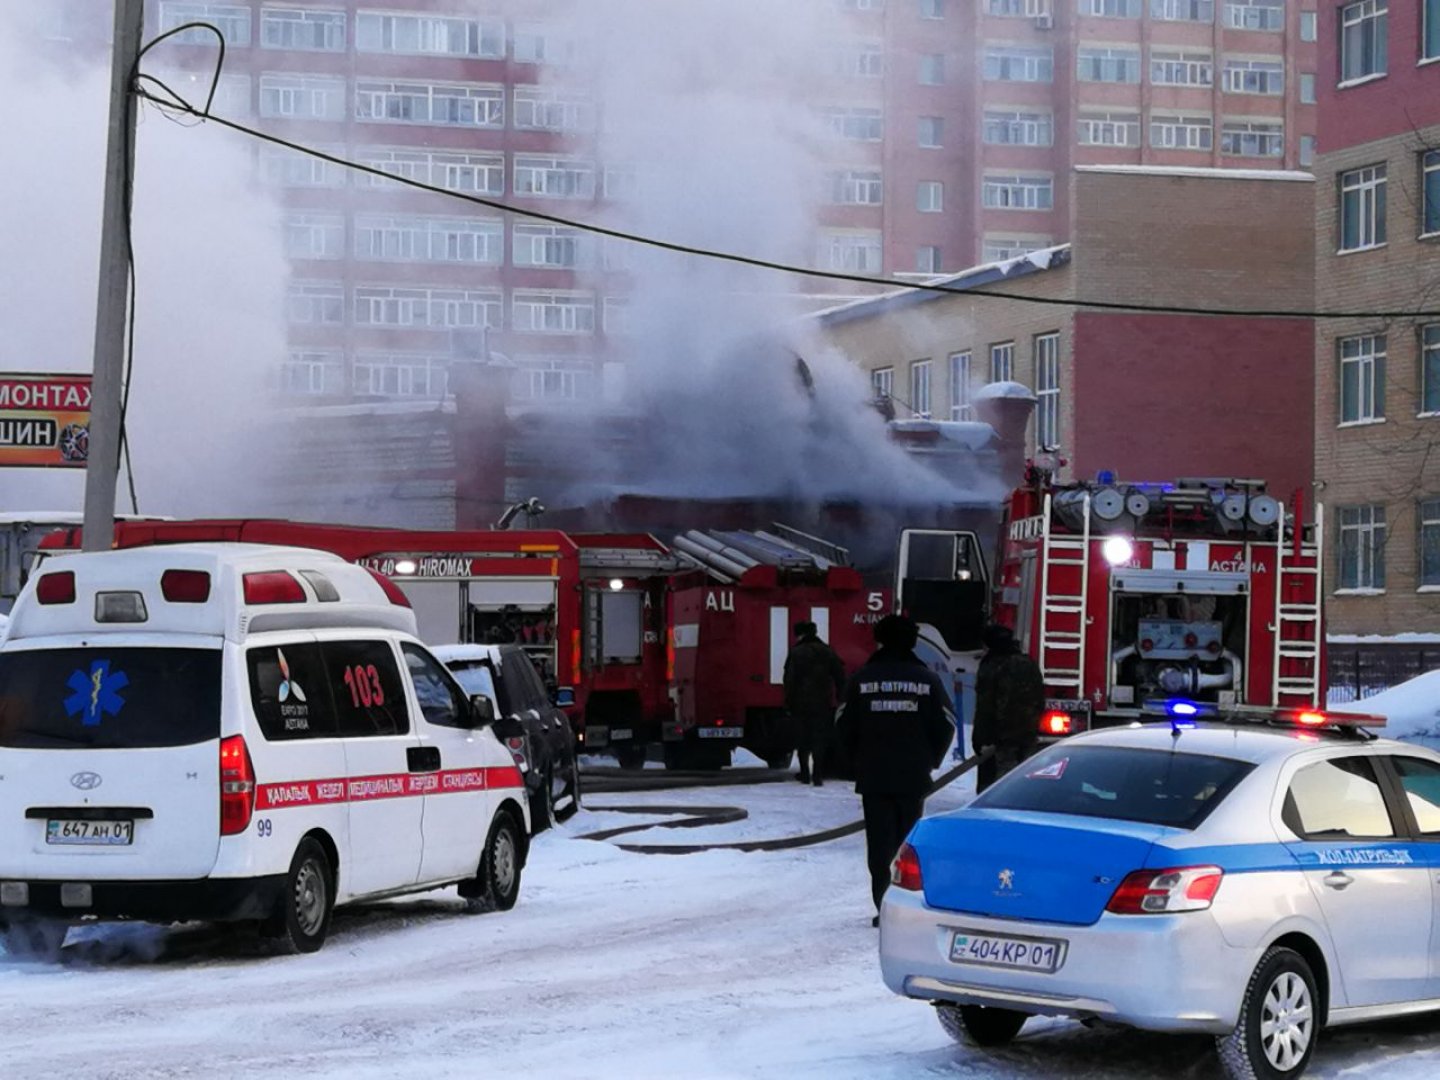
<point x="86" y="781"/>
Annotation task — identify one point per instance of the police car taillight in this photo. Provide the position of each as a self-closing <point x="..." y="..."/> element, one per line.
<point x="56" y="588"/>
<point x="905" y="870"/>
<point x="1161" y="892"/>
<point x="237" y="786"/>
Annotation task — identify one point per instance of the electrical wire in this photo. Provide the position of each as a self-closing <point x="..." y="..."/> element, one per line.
<point x="179" y="103"/>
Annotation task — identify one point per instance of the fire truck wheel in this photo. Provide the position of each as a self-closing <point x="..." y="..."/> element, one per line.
<point x="630" y="755"/>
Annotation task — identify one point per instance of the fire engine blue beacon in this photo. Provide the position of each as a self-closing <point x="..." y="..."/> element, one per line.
<point x="95" y="694"/>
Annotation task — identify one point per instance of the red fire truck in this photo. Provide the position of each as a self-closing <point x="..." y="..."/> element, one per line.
<point x="1131" y="594"/>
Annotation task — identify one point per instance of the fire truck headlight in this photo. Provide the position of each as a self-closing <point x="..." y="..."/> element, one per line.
<point x="616" y="584"/>
<point x="1118" y="551"/>
<point x="406" y="566"/>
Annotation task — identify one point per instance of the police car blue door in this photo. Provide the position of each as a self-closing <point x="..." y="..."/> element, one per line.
<point x="1370" y="882"/>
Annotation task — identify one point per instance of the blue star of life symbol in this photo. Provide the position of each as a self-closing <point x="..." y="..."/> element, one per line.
<point x="96" y="693"/>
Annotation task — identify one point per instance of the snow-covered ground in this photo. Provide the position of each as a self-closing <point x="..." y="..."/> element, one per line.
<point x="1411" y="710"/>
<point x="718" y="965"/>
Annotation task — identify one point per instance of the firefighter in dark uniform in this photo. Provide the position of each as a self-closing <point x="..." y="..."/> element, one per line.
<point x="896" y="725"/>
<point x="1009" y="701"/>
<point x="814" y="684"/>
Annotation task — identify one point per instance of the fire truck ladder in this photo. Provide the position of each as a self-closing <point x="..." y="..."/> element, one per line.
<point x="1297" y="627"/>
<point x="1061" y="605"/>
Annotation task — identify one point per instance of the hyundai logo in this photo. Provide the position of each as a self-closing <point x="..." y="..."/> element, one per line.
<point x="86" y="781"/>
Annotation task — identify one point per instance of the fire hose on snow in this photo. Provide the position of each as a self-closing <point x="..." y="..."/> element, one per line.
<point x="694" y="817"/>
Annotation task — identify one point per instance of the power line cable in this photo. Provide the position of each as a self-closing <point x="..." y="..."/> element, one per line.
<point x="177" y="102"/>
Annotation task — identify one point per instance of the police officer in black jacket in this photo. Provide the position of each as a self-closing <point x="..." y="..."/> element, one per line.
<point x="896" y="724"/>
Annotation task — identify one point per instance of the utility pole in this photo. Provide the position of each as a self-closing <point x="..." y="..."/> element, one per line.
<point x="102" y="468"/>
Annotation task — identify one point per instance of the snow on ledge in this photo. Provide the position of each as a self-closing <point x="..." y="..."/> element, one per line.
<point x="1412" y="638"/>
<point x="1293" y="175"/>
<point x="991" y="391"/>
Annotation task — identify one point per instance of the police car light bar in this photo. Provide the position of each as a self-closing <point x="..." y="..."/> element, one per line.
<point x="1184" y="713"/>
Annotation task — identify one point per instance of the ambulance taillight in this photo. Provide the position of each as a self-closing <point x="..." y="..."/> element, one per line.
<point x="237" y="786"/>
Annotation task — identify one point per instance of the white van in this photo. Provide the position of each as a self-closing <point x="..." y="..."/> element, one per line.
<point x="238" y="732"/>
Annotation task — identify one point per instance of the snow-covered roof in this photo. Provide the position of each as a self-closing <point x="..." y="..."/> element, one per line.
<point x="1020" y="266"/>
<point x="972" y="434"/>
<point x="1411" y="638"/>
<point x="1006" y="389"/>
<point x="1214" y="174"/>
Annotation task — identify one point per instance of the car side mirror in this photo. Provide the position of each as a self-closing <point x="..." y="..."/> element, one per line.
<point x="564" y="697"/>
<point x="482" y="710"/>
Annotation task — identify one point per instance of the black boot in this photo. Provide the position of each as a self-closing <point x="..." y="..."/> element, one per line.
<point x="804" y="774"/>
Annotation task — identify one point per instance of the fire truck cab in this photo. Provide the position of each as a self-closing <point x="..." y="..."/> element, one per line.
<point x="1136" y="594"/>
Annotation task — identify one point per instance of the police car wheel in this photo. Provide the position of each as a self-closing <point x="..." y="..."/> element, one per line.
<point x="497" y="886"/>
<point x="1279" y="1021"/>
<point x="980" y="1025"/>
<point x="302" y="920"/>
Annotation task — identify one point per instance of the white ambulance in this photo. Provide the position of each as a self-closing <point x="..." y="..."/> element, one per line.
<point x="238" y="732"/>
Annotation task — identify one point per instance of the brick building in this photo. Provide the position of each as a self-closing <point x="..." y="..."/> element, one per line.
<point x="1150" y="396"/>
<point x="1377" y="406"/>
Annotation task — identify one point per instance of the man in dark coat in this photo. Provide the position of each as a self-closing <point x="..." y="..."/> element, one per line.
<point x="1009" y="700"/>
<point x="896" y="724"/>
<point x="814" y="684"/>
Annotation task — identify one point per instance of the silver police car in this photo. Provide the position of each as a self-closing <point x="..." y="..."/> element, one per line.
<point x="1257" y="877"/>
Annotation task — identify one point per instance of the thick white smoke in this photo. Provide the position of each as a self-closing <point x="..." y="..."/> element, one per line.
<point x="210" y="271"/>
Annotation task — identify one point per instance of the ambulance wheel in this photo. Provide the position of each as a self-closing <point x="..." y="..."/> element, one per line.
<point x="571" y="794"/>
<point x="497" y="886"/>
<point x="302" y="918"/>
<point x="630" y="755"/>
<point x="542" y="804"/>
<point x="1279" y="1020"/>
<point x="980" y="1025"/>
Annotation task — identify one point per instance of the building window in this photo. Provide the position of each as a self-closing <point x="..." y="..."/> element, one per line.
<point x="1018" y="192"/>
<point x="1362" y="547"/>
<point x="1430" y="30"/>
<point x="1430" y="193"/>
<point x="1430" y="371"/>
<point x="932" y="69"/>
<point x="1181" y="132"/>
<point x="1307" y="150"/>
<point x="427" y="307"/>
<point x="1174" y="68"/>
<point x="1183" y="10"/>
<point x="302" y="28"/>
<point x="232" y="20"/>
<point x="927" y="259"/>
<point x="315" y="236"/>
<point x="862" y="5"/>
<point x="557" y="178"/>
<point x="1430" y="543"/>
<point x="553" y="247"/>
<point x="1047" y="389"/>
<point x="857" y="124"/>
<point x="930" y="197"/>
<point x="425" y="239"/>
<point x="1362" y="208"/>
<point x="1007" y="9"/>
<point x="882" y="382"/>
<point x="1252" y="138"/>
<point x="313" y="303"/>
<point x="429" y="35"/>
<point x="539" y="109"/>
<point x="1108" y="65"/>
<point x="553" y="313"/>
<point x="1255" y="14"/>
<point x="1309" y="26"/>
<point x="302" y="97"/>
<point x="932" y="9"/>
<point x="931" y="130"/>
<point x="1002" y="362"/>
<point x="1307" y="88"/>
<point x="1112" y="9"/>
<point x="856" y="187"/>
<point x="617" y="315"/>
<point x="1000" y="248"/>
<point x="1362" y="378"/>
<point x="386" y="375"/>
<point x="920" y="389"/>
<point x="1110" y="129"/>
<point x="1015" y="64"/>
<point x="450" y="105"/>
<point x="1018" y="128"/>
<point x="312" y="372"/>
<point x="1363" y="39"/>
<point x="862" y="61"/>
<point x="482" y="174"/>
<point x="543" y="45"/>
<point x="854" y="252"/>
<point x="290" y="168"/>
<point x="960" y="405"/>
<point x="1255" y="77"/>
<point x="560" y="378"/>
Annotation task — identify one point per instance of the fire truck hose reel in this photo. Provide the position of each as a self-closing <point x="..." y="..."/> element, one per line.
<point x="697" y="816"/>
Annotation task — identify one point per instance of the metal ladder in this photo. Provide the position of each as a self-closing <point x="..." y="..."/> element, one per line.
<point x="1303" y="569"/>
<point x="1055" y="552"/>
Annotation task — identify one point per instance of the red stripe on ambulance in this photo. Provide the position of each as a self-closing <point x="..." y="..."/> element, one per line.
<point x="386" y="786"/>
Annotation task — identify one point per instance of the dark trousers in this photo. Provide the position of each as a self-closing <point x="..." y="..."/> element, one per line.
<point x="888" y="820"/>
<point x="1005" y="758"/>
<point x="813" y="736"/>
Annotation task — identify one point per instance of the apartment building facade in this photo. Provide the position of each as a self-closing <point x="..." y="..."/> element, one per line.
<point x="1377" y="405"/>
